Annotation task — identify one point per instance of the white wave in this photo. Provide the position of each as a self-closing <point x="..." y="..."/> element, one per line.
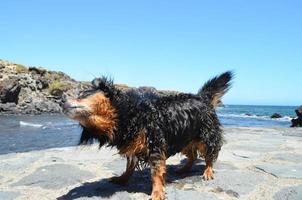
<point x="61" y="124"/>
<point x="49" y="125"/>
<point x="22" y="123"/>
<point x="285" y="118"/>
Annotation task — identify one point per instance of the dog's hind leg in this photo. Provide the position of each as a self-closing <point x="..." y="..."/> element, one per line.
<point x="123" y="179"/>
<point x="208" y="173"/>
<point x="190" y="152"/>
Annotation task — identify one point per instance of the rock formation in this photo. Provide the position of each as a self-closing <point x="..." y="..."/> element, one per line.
<point x="32" y="90"/>
<point x="35" y="90"/>
<point x="276" y="116"/>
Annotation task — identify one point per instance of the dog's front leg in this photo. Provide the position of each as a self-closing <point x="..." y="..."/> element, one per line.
<point x="158" y="175"/>
<point x="123" y="179"/>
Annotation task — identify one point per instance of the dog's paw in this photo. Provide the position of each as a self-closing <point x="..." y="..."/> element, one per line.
<point x="158" y="195"/>
<point x="119" y="180"/>
<point x="208" y="174"/>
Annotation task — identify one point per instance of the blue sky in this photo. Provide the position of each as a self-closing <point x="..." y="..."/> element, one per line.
<point x="174" y="45"/>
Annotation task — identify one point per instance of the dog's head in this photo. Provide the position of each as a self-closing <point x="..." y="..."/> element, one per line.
<point x="93" y="109"/>
<point x="299" y="111"/>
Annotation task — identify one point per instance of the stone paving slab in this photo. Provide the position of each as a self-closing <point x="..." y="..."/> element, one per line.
<point x="289" y="193"/>
<point x="7" y="195"/>
<point x="282" y="170"/>
<point x="55" y="176"/>
<point x="249" y="167"/>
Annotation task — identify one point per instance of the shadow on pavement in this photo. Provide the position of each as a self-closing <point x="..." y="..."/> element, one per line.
<point x="139" y="183"/>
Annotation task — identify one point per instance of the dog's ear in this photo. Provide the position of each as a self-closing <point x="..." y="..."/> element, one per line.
<point x="104" y="84"/>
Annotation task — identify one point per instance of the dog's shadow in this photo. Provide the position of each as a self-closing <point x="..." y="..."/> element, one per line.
<point x="140" y="182"/>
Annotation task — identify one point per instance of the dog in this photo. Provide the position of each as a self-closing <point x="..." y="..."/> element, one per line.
<point x="147" y="132"/>
<point x="297" y="122"/>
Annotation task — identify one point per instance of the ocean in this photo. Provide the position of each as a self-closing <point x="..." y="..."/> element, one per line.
<point x="260" y="116"/>
<point x="27" y="133"/>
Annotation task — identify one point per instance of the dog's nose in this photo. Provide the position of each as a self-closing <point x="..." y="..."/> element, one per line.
<point x="66" y="105"/>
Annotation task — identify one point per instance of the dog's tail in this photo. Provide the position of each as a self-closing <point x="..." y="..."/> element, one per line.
<point x="216" y="87"/>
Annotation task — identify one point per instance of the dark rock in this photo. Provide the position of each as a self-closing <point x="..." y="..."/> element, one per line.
<point x="37" y="70"/>
<point x="276" y="116"/>
<point x="38" y="107"/>
<point x="49" y="106"/>
<point x="8" y="108"/>
<point x="57" y="93"/>
<point x="32" y="87"/>
<point x="41" y="84"/>
<point x="9" y="91"/>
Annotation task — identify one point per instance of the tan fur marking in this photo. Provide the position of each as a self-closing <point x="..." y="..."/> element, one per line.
<point x="202" y="149"/>
<point x="159" y="180"/>
<point x="136" y="146"/>
<point x="208" y="173"/>
<point x="190" y="151"/>
<point x="103" y="115"/>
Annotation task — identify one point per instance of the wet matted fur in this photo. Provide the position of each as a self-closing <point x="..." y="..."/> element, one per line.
<point x="148" y="132"/>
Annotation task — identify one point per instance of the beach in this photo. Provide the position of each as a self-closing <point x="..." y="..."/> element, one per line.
<point x="149" y="79"/>
<point x="254" y="163"/>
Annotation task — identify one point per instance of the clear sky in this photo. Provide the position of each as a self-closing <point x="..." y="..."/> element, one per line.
<point x="175" y="45"/>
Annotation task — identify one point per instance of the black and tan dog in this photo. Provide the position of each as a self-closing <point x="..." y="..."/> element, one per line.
<point x="148" y="132"/>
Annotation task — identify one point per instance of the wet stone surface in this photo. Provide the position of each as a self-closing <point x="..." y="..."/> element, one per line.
<point x="289" y="193"/>
<point x="248" y="167"/>
<point x="54" y="176"/>
<point x="176" y="194"/>
<point x="8" y="195"/>
<point x="282" y="170"/>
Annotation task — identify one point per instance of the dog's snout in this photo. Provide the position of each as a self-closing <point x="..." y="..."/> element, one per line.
<point x="67" y="105"/>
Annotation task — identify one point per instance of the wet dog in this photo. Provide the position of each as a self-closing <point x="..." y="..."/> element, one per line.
<point x="148" y="132"/>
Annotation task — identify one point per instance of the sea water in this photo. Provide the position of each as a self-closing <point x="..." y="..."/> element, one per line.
<point x="27" y="133"/>
<point x="250" y="115"/>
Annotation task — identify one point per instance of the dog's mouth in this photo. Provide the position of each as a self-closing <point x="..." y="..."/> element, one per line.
<point x="74" y="111"/>
<point x="75" y="107"/>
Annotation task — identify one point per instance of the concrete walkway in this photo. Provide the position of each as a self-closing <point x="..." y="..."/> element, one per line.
<point x="255" y="163"/>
